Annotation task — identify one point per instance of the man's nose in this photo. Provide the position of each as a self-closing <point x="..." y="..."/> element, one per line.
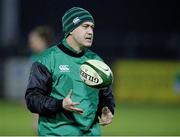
<point x="90" y="30"/>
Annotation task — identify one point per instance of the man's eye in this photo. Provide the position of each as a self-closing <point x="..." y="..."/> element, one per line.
<point x="85" y="26"/>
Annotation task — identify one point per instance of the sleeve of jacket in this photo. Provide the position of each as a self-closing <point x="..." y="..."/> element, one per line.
<point x="38" y="99"/>
<point x="106" y="98"/>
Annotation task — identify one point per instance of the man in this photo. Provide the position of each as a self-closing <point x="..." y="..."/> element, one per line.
<point x="38" y="41"/>
<point x="66" y="106"/>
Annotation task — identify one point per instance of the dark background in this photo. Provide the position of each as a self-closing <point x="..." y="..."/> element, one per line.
<point x="145" y="29"/>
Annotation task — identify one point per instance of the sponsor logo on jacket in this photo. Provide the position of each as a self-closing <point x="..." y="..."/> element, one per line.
<point x="64" y="68"/>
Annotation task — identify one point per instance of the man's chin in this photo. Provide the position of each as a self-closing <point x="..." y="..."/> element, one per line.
<point x="88" y="45"/>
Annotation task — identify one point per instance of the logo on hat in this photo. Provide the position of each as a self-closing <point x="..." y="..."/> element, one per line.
<point x="76" y="20"/>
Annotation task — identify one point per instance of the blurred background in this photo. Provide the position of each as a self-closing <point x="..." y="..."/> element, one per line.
<point x="139" y="39"/>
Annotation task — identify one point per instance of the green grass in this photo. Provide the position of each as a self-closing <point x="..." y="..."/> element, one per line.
<point x="129" y="119"/>
<point x="136" y="119"/>
<point x="15" y="119"/>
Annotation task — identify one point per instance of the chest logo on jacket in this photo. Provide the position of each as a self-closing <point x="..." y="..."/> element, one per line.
<point x="64" y="68"/>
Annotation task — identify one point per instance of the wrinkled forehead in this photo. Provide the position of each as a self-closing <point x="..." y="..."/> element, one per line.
<point x="88" y="23"/>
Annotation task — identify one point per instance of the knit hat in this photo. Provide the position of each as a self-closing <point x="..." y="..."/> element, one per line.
<point x="73" y="18"/>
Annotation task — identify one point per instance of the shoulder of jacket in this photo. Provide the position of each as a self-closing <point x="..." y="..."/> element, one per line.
<point x="47" y="57"/>
<point x="49" y="51"/>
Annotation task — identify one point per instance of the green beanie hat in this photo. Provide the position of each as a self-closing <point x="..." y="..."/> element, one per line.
<point x="73" y="18"/>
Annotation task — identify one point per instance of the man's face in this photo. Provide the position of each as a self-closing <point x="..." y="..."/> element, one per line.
<point x="36" y="43"/>
<point x="83" y="34"/>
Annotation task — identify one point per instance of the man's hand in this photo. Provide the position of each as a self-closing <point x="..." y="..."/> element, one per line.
<point x="106" y="116"/>
<point x="69" y="105"/>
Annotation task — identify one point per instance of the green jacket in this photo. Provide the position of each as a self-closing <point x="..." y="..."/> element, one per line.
<point x="55" y="73"/>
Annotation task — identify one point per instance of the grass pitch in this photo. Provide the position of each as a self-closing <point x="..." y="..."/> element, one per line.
<point x="129" y="119"/>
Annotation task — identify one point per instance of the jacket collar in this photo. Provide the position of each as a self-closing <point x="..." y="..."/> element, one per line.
<point x="64" y="46"/>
